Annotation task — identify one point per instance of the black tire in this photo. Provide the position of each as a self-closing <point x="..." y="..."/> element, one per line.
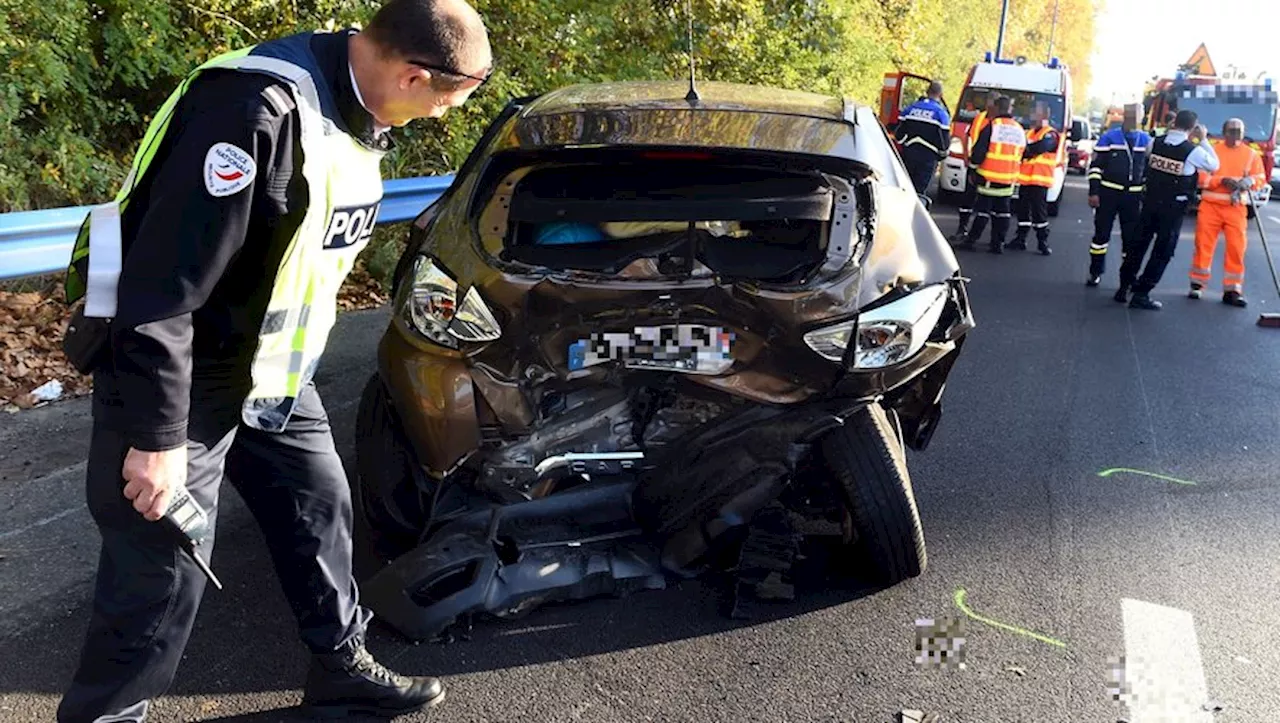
<point x="868" y="465"/>
<point x="1054" y="207"/>
<point x="389" y="498"/>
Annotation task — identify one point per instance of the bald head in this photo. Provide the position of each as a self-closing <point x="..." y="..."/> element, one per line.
<point x="419" y="58"/>
<point x="1233" y="131"/>
<point x="448" y="34"/>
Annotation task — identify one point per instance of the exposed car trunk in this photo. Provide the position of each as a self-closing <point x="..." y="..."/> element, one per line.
<point x="669" y="215"/>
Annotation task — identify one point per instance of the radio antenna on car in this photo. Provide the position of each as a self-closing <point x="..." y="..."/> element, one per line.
<point x="692" y="96"/>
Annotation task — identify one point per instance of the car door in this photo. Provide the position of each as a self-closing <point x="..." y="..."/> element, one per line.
<point x="900" y="90"/>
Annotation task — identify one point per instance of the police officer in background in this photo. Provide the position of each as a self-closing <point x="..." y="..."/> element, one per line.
<point x="996" y="161"/>
<point x="255" y="187"/>
<point x="1116" y="178"/>
<point x="1176" y="158"/>
<point x="924" y="132"/>
<point x="1039" y="161"/>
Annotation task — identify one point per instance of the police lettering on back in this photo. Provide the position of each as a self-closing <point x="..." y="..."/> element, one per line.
<point x="924" y="114"/>
<point x="351" y="225"/>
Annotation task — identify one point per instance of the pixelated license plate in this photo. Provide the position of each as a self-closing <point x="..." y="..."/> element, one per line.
<point x="688" y="348"/>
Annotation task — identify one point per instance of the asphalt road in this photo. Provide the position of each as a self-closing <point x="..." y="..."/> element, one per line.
<point x="1179" y="574"/>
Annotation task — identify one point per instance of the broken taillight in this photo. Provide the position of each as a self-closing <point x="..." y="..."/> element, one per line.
<point x="432" y="308"/>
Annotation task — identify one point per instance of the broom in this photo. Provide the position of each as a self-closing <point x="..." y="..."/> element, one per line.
<point x="1272" y="320"/>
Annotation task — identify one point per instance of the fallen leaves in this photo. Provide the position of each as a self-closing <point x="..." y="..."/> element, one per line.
<point x="361" y="291"/>
<point x="32" y="324"/>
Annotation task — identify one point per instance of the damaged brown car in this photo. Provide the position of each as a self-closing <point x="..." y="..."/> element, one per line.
<point x="650" y="334"/>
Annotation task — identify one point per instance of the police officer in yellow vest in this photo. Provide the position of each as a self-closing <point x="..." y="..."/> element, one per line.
<point x="214" y="274"/>
<point x="996" y="160"/>
<point x="1039" y="161"/>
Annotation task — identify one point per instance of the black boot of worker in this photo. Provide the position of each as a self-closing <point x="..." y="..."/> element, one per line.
<point x="1234" y="298"/>
<point x="350" y="682"/>
<point x="1044" y="248"/>
<point x="1019" y="243"/>
<point x="1122" y="295"/>
<point x="1142" y="301"/>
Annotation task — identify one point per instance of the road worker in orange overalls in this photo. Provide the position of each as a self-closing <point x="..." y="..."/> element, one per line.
<point x="1223" y="210"/>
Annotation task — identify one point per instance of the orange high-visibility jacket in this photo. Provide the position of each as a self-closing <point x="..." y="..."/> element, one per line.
<point x="1038" y="170"/>
<point x="975" y="128"/>
<point x="1003" y="159"/>
<point x="1237" y="162"/>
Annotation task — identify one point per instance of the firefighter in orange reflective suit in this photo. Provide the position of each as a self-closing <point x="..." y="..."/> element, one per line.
<point x="1223" y="210"/>
<point x="996" y="160"/>
<point x="1039" y="162"/>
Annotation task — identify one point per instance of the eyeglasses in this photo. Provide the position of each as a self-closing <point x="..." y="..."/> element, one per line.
<point x="450" y="71"/>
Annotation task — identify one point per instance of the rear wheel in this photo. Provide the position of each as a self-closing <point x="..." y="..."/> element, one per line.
<point x="389" y="494"/>
<point x="867" y="464"/>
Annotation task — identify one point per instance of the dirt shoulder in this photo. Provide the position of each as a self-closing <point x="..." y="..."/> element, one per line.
<point x="33" y="370"/>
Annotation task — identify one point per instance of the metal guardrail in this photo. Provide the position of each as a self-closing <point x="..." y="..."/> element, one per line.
<point x="39" y="242"/>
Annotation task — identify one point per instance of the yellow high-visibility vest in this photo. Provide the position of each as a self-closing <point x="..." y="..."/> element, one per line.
<point x="344" y="182"/>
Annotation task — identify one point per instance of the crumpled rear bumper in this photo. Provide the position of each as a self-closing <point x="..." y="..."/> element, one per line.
<point x="510" y="559"/>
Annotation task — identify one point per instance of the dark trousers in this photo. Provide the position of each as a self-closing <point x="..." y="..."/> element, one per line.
<point x="147" y="590"/>
<point x="995" y="209"/>
<point x="968" y="201"/>
<point x="1112" y="204"/>
<point x="1033" y="212"/>
<point x="921" y="164"/>
<point x="1161" y="222"/>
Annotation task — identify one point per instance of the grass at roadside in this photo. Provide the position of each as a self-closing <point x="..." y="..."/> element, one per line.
<point x="33" y="317"/>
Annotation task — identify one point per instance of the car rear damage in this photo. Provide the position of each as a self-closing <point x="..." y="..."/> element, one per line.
<point x="621" y="335"/>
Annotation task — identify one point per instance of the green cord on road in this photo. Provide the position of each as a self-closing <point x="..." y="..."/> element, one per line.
<point x="1166" y="478"/>
<point x="960" y="595"/>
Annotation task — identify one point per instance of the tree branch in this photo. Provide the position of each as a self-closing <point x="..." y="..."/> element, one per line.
<point x="224" y="16"/>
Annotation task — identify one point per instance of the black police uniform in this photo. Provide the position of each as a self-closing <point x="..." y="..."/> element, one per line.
<point x="1164" y="206"/>
<point x="924" y="131"/>
<point x="1116" y="177"/>
<point x="196" y="278"/>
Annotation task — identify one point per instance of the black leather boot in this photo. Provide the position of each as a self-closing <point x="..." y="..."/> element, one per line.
<point x="1143" y="301"/>
<point x="1234" y="298"/>
<point x="350" y="682"/>
<point x="1122" y="295"/>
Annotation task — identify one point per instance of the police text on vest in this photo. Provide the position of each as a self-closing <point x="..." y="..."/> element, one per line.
<point x="351" y="225"/>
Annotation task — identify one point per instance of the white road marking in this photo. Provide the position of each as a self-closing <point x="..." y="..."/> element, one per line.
<point x="1163" y="670"/>
<point x="41" y="523"/>
<point x="1275" y="219"/>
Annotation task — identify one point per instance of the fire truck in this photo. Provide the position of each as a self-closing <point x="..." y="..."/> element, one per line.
<point x="1026" y="82"/>
<point x="1215" y="99"/>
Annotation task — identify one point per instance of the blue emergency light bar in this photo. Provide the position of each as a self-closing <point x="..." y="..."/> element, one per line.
<point x="1053" y="63"/>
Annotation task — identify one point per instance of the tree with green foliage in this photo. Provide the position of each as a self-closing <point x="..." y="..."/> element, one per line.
<point x="81" y="77"/>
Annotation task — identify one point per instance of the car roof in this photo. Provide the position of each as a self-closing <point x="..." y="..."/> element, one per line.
<point x="670" y="95"/>
<point x="726" y="116"/>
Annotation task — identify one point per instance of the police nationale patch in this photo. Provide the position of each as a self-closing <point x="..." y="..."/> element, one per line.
<point x="227" y="169"/>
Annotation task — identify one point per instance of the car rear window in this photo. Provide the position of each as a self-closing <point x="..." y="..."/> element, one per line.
<point x="682" y="217"/>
